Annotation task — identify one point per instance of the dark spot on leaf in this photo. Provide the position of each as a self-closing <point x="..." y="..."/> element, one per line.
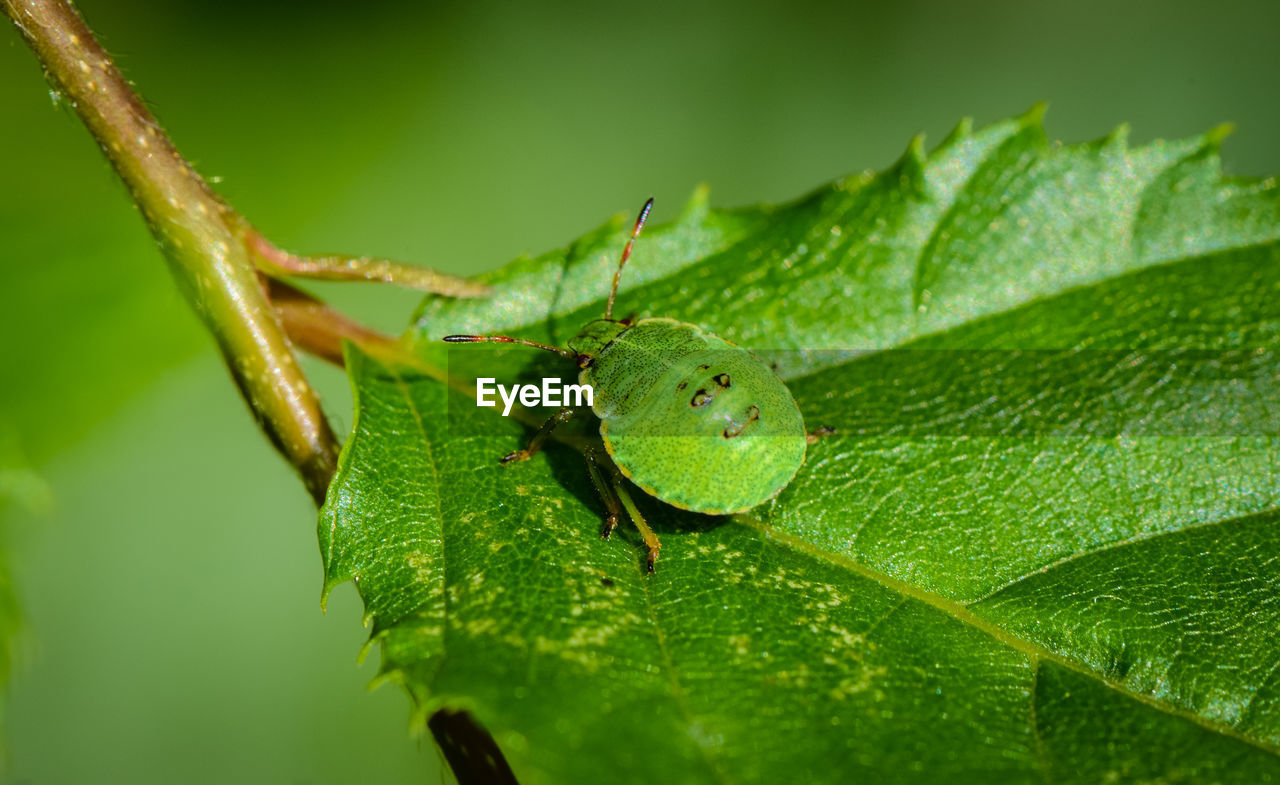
<point x="700" y="398"/>
<point x="606" y="581"/>
<point x="722" y="380"/>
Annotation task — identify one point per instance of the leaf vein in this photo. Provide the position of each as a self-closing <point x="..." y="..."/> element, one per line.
<point x="1136" y="539"/>
<point x="1033" y="651"/>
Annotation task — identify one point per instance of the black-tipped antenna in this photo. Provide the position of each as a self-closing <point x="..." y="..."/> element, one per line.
<point x="508" y="339"/>
<point x="626" y="254"/>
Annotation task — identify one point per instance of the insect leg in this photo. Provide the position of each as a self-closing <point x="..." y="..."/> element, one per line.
<point x="612" y="491"/>
<point x="535" y="443"/>
<point x="817" y="434"/>
<point x="605" y="488"/>
<point x="650" y="539"/>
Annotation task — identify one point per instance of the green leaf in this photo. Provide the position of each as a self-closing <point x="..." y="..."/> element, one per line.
<point x="1043" y="544"/>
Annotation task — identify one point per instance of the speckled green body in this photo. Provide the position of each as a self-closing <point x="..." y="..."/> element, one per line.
<point x="690" y="418"/>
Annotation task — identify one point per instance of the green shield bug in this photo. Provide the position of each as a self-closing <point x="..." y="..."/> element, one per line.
<point x="688" y="417"/>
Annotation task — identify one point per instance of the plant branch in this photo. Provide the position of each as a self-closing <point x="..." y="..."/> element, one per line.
<point x="317" y="329"/>
<point x="340" y="267"/>
<point x="215" y="255"/>
<point x="200" y="236"/>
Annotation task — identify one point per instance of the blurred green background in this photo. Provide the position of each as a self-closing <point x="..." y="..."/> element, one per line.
<point x="165" y="558"/>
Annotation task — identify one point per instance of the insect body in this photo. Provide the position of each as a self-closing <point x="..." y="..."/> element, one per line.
<point x="690" y="418"/>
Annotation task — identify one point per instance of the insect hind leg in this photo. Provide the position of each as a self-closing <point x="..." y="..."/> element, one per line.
<point x="616" y="498"/>
<point x="604" y="487"/>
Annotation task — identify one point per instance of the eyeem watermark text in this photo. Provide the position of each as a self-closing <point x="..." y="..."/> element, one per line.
<point x="552" y="392"/>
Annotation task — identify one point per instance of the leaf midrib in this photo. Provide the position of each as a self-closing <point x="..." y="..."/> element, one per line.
<point x="673" y="678"/>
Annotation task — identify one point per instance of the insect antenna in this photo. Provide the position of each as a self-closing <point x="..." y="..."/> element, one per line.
<point x="509" y="339"/>
<point x="626" y="254"/>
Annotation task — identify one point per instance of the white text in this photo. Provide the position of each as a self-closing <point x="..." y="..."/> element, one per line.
<point x="552" y="392"/>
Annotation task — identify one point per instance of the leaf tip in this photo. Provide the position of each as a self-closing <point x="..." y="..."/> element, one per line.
<point x="386" y="676"/>
<point x="1118" y="136"/>
<point x="363" y="654"/>
<point x="1214" y="136"/>
<point x="911" y="165"/>
<point x="915" y="148"/>
<point x="697" y="205"/>
<point x="962" y="130"/>
<point x="1034" y="117"/>
<point x="327" y="586"/>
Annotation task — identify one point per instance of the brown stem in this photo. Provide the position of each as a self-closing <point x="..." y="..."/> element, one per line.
<point x="196" y="231"/>
<point x="316" y="328"/>
<point x="472" y="753"/>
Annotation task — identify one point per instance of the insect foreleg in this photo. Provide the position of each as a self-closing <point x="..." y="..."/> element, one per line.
<point x="535" y="443"/>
